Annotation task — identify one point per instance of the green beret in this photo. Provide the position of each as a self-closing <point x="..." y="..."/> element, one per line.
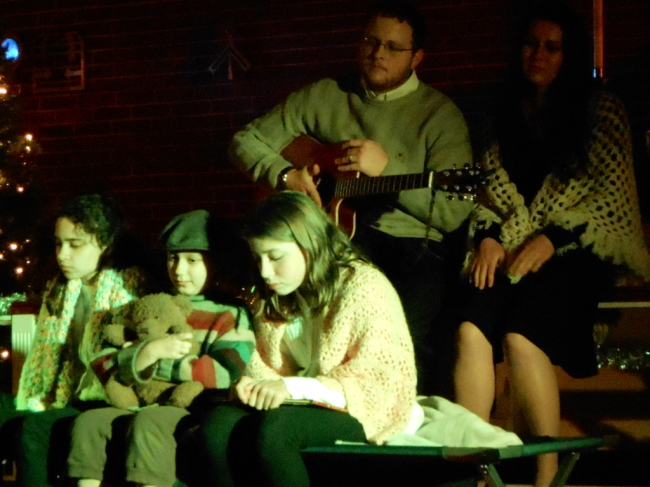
<point x="189" y="231"/>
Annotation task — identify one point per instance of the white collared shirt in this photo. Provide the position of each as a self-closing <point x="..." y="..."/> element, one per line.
<point x="409" y="86"/>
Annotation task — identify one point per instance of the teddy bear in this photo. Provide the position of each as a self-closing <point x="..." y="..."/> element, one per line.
<point x="146" y="319"/>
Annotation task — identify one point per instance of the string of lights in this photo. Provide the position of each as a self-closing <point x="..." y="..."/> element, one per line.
<point x="19" y="203"/>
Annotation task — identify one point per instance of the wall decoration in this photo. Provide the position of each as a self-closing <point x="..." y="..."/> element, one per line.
<point x="59" y="63"/>
<point x="11" y="53"/>
<point x="229" y="55"/>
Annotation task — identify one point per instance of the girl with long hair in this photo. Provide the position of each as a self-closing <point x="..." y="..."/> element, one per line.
<point x="330" y="330"/>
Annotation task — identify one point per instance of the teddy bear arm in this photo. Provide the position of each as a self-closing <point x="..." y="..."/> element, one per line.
<point x="183" y="394"/>
<point x="154" y="391"/>
<point x="119" y="395"/>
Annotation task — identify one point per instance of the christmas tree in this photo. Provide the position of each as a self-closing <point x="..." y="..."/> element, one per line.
<point x="19" y="193"/>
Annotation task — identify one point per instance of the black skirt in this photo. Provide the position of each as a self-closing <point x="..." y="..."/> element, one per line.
<point x="555" y="308"/>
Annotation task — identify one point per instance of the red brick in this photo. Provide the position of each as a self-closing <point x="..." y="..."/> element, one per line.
<point x="96" y="128"/>
<point x="57" y="132"/>
<point x="75" y="115"/>
<point x="112" y="113"/>
<point x="151" y="111"/>
<point x="131" y="126"/>
<point x="58" y="102"/>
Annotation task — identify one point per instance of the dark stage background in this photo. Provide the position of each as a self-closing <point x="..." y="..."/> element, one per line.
<point x="153" y="123"/>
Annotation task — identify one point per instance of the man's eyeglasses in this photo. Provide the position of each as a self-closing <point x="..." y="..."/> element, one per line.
<point x="374" y="43"/>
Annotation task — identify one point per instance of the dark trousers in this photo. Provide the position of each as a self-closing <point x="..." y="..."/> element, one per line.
<point x="423" y="274"/>
<point x="246" y="447"/>
<point x="38" y="442"/>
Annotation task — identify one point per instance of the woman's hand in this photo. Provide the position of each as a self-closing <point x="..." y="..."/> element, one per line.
<point x="262" y="394"/>
<point x="488" y="258"/>
<point x="532" y="256"/>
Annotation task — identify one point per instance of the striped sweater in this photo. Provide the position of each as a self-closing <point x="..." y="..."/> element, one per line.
<point x="226" y="339"/>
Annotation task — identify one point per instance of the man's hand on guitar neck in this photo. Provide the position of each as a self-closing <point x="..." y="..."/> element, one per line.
<point x="303" y="180"/>
<point x="363" y="155"/>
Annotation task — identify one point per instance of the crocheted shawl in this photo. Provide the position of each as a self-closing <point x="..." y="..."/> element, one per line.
<point x="365" y="352"/>
<point x="605" y="198"/>
<point x="47" y="378"/>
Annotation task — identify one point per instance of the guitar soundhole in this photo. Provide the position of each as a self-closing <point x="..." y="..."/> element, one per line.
<point x="326" y="187"/>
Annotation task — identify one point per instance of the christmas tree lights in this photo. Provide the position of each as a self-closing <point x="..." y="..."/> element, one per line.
<point x="20" y="208"/>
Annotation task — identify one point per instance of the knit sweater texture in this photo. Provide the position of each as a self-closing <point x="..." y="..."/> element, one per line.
<point x="420" y="131"/>
<point x="48" y="376"/>
<point x="364" y="352"/>
<point x="603" y="201"/>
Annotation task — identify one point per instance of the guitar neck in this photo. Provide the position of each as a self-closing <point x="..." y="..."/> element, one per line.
<point x="363" y="185"/>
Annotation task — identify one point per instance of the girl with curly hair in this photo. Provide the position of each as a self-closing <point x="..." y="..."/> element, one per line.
<point x="96" y="261"/>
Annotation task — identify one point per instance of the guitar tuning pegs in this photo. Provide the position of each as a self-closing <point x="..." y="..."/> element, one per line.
<point x="450" y="197"/>
<point x="445" y="173"/>
<point x="444" y="187"/>
<point x="456" y="188"/>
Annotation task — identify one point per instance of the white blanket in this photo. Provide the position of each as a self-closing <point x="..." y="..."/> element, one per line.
<point x="444" y="423"/>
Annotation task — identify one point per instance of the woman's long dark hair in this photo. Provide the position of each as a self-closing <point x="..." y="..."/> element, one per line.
<point x="566" y="117"/>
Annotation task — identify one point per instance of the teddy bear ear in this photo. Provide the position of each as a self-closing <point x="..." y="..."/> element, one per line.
<point x="115" y="334"/>
<point x="119" y="315"/>
<point x="184" y="303"/>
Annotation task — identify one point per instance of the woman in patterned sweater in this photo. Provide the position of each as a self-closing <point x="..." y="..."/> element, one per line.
<point x="560" y="214"/>
<point x="330" y="328"/>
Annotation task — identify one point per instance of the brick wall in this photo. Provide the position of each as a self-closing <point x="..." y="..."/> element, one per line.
<point x="153" y="124"/>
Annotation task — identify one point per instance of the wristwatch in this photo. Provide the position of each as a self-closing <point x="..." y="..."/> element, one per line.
<point x="282" y="179"/>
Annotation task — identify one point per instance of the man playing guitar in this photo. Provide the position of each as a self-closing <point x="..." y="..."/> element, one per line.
<point x="382" y="121"/>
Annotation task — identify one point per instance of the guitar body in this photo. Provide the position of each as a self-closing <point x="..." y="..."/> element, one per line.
<point x="304" y="151"/>
<point x="334" y="185"/>
<point x="344" y="216"/>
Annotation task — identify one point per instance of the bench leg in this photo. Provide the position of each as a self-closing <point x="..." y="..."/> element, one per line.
<point x="491" y="475"/>
<point x="565" y="469"/>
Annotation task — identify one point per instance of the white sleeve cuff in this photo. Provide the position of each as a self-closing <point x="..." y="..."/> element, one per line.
<point x="416" y="420"/>
<point x="314" y="390"/>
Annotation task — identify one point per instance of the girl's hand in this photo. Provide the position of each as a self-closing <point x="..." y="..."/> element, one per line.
<point x="171" y="346"/>
<point x="532" y="256"/>
<point x="243" y="388"/>
<point x="489" y="256"/>
<point x="263" y="394"/>
<point x="168" y="347"/>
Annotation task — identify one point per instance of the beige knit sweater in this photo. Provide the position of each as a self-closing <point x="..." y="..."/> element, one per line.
<point x="365" y="352"/>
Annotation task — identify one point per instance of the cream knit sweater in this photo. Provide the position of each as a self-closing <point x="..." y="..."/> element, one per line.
<point x="365" y="352"/>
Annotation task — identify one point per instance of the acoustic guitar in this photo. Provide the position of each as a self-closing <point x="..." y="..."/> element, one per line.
<point x="335" y="186"/>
